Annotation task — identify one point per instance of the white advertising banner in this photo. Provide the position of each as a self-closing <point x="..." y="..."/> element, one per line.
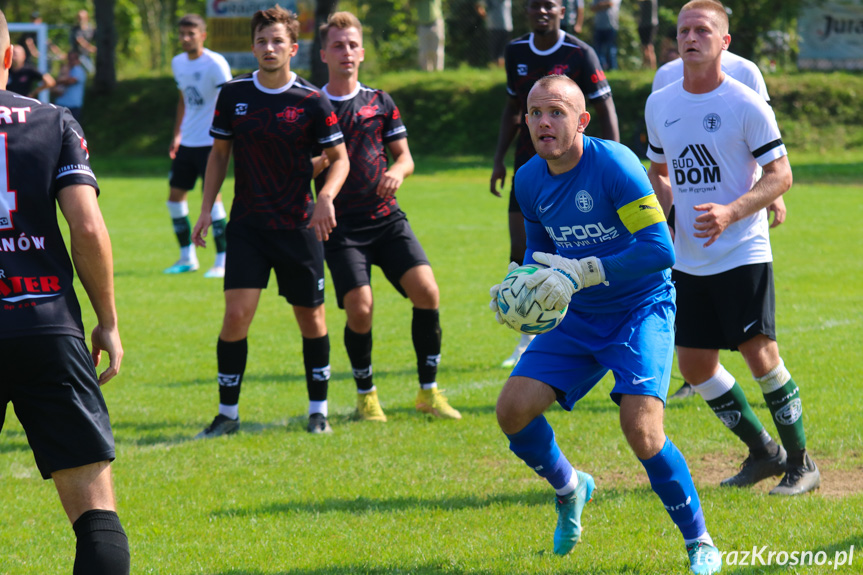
<point x="831" y="35"/>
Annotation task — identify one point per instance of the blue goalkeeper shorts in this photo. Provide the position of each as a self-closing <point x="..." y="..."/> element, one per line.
<point x="637" y="346"/>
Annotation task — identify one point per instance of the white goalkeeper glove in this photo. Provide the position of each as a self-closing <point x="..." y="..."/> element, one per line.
<point x="493" y="293"/>
<point x="563" y="278"/>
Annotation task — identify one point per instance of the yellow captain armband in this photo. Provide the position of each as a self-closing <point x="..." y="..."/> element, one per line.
<point x="641" y="213"/>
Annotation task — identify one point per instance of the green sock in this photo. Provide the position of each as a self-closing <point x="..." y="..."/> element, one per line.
<point x="183" y="230"/>
<point x="219" y="235"/>
<point x="787" y="411"/>
<point x="737" y="415"/>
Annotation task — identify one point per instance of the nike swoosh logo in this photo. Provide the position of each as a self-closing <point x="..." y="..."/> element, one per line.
<point x="542" y="210"/>
<point x="667" y="123"/>
<point x="637" y="381"/>
<point x="745" y="329"/>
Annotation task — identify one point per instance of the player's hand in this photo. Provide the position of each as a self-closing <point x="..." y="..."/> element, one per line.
<point x="493" y="293"/>
<point x="199" y="232"/>
<point x="323" y="218"/>
<point x="498" y="176"/>
<point x="390" y="182"/>
<point x="107" y="340"/>
<point x="779" y="211"/>
<point x="564" y="277"/>
<point x="172" y="149"/>
<point x="715" y="220"/>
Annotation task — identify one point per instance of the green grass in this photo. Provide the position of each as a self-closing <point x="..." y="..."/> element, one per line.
<point x="421" y="496"/>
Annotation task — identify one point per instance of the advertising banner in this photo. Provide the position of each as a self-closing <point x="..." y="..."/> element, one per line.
<point x="831" y="35"/>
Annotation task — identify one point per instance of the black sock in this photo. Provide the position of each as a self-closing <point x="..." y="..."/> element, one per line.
<point x="102" y="547"/>
<point x="359" y="347"/>
<point x="316" y="358"/>
<point x="232" y="364"/>
<point x="426" y="333"/>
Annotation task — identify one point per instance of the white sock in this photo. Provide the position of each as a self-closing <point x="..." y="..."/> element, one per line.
<point x="569" y="487"/>
<point x="218" y="212"/>
<point x="365" y="391"/>
<point x="187" y="253"/>
<point x="318" y="407"/>
<point x="431" y="385"/>
<point x="220" y="260"/>
<point x="704" y="538"/>
<point x="232" y="411"/>
<point x="178" y="209"/>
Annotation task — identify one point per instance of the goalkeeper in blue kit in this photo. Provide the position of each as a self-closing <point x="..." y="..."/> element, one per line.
<point x="592" y="218"/>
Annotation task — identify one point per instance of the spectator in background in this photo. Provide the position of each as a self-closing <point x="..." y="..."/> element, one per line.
<point x="648" y="24"/>
<point x="72" y="81"/>
<point x="498" y="22"/>
<point x="27" y="40"/>
<point x="574" y="15"/>
<point x="430" y="34"/>
<point x="81" y="38"/>
<point x="22" y="76"/>
<point x="606" y="23"/>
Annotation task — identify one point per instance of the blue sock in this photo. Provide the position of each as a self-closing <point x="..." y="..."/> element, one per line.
<point x="535" y="445"/>
<point x="670" y="478"/>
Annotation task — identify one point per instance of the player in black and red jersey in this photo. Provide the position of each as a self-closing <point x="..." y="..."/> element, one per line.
<point x="372" y="228"/>
<point x="47" y="372"/>
<point x="272" y="119"/>
<point x="546" y="50"/>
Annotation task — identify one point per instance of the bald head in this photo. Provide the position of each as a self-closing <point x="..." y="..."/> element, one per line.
<point x="19" y="56"/>
<point x="4" y="32"/>
<point x="562" y="86"/>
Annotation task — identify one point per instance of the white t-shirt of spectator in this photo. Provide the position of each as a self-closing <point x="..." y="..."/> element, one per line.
<point x="743" y="70"/>
<point x="713" y="144"/>
<point x="199" y="80"/>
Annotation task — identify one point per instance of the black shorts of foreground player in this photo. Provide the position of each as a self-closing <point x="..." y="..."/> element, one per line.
<point x="271" y="119"/>
<point x="48" y="374"/>
<point x="372" y="228"/>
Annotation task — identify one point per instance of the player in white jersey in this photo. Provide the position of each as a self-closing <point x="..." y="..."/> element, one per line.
<point x="199" y="74"/>
<point x="707" y="135"/>
<point x="747" y="72"/>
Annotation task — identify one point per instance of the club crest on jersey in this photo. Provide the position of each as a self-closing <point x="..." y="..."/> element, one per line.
<point x="290" y="114"/>
<point x="583" y="201"/>
<point x="711" y="122"/>
<point x="240" y="109"/>
<point x="367" y="111"/>
<point x="559" y="70"/>
<point x="521" y="69"/>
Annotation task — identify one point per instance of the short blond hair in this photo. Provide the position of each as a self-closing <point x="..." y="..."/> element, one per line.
<point x="546" y="82"/>
<point x="339" y="21"/>
<point x="719" y="15"/>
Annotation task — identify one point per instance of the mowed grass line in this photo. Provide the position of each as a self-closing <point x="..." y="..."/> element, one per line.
<point x="416" y="495"/>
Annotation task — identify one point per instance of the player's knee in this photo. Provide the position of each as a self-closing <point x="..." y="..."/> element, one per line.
<point x="236" y="322"/>
<point x="510" y="416"/>
<point x="645" y="437"/>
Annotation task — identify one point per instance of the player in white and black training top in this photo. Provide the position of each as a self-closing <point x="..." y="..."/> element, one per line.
<point x="272" y="120"/>
<point x="372" y="228"/>
<point x="707" y="134"/>
<point x="48" y="374"/>
<point x="200" y="74"/>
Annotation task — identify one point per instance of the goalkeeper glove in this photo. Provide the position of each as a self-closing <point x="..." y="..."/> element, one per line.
<point x="563" y="278"/>
<point x="493" y="293"/>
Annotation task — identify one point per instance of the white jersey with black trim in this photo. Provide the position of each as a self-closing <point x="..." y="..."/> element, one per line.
<point x="199" y="81"/>
<point x="713" y="144"/>
<point x="739" y="68"/>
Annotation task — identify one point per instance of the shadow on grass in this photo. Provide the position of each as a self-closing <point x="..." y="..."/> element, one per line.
<point x="13" y="441"/>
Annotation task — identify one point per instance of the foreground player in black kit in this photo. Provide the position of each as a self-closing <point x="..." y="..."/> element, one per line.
<point x="372" y="229"/>
<point x="47" y="372"/>
<point x="272" y="119"/>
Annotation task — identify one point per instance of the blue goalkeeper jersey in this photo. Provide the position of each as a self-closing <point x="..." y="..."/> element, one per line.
<point x="604" y="207"/>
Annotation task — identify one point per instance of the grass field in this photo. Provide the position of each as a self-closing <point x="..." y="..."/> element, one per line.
<point x="421" y="496"/>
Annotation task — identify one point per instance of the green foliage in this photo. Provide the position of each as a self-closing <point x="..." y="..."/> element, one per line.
<point x="414" y="495"/>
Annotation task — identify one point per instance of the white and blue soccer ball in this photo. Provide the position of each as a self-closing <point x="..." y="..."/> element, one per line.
<point x="518" y="306"/>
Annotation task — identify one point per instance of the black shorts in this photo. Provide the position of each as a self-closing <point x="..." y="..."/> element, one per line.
<point x="647" y="34"/>
<point x="296" y="256"/>
<point x="52" y="384"/>
<point x="722" y="311"/>
<point x="188" y="164"/>
<point x="391" y="246"/>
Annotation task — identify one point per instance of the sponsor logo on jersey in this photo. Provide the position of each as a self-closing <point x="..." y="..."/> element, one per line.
<point x="597" y="77"/>
<point x="729" y="418"/>
<point x="290" y="114"/>
<point x="239" y="110"/>
<point x="20" y="115"/>
<point x="17" y="288"/>
<point x="575" y="236"/>
<point x="696" y="166"/>
<point x="711" y="122"/>
<point x="583" y="201"/>
<point x="521" y="69"/>
<point x="559" y="70"/>
<point x="542" y="210"/>
<point x="194" y="99"/>
<point x="367" y="111"/>
<point x="396" y="113"/>
<point x="332" y="119"/>
<point x="672" y="122"/>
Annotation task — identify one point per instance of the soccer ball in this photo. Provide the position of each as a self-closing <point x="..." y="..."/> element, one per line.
<point x="518" y="306"/>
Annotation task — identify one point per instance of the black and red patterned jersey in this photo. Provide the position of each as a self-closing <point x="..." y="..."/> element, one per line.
<point x="42" y="151"/>
<point x="525" y="64"/>
<point x="369" y="120"/>
<point x="274" y="132"/>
